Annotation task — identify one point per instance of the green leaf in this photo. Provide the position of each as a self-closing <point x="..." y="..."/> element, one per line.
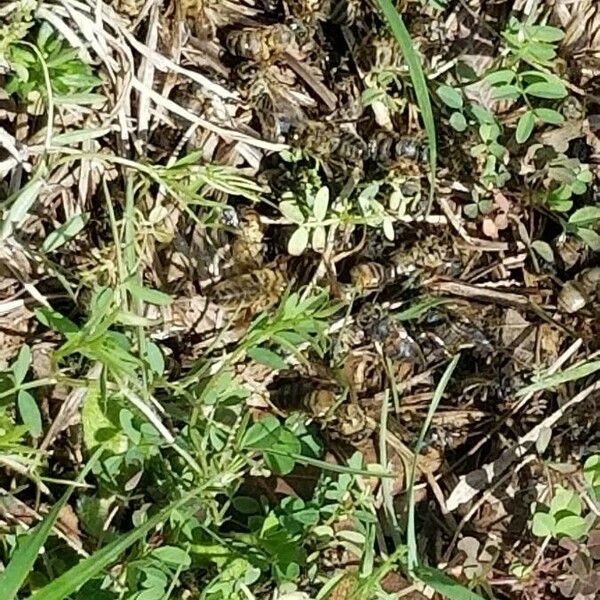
<point x="572" y="526"/>
<point x="506" y="92"/>
<point x="54" y="320"/>
<point x="262" y="434"/>
<point x="30" y="544"/>
<point x="504" y="76"/>
<point x="590" y="237"/>
<point x="549" y="115"/>
<point x="321" y="203"/>
<point x="318" y="239"/>
<point x="544" y="250"/>
<point x="450" y="96"/>
<point x="144" y="294"/>
<point x="542" y="524"/>
<point x="571" y="374"/>
<point x="29" y="413"/>
<point x="280" y="457"/>
<point x="525" y="127"/>
<point x="482" y="114"/>
<point x="70" y="581"/>
<point x="565" y="501"/>
<point x="98" y="429"/>
<point x="458" y="121"/>
<point x="544" y="89"/>
<point x="591" y="474"/>
<point x="21" y="364"/>
<point x="172" y="555"/>
<point x="267" y="357"/>
<point x="298" y="241"/>
<point x="445" y="585"/>
<point x="155" y="358"/>
<point x="19" y="208"/>
<point x="547" y="33"/>
<point x="583" y="217"/>
<point x="67" y="231"/>
<point x="291" y="211"/>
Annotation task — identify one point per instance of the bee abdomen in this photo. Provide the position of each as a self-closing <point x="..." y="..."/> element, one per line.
<point x="259" y="290"/>
<point x="368" y="276"/>
<point x="259" y="43"/>
<point x="387" y="148"/>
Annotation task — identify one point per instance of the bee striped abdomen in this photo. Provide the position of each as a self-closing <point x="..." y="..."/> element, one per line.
<point x="260" y="43"/>
<point x="258" y="290"/>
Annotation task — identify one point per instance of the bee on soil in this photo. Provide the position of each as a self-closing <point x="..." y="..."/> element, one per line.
<point x="351" y="423"/>
<point x="387" y="149"/>
<point x="581" y="291"/>
<point x="263" y="43"/>
<point x="253" y="292"/>
<point x="337" y="148"/>
<point x="379" y="326"/>
<point x="429" y="256"/>
<point x="248" y="248"/>
<point x="323" y="401"/>
<point x="272" y="92"/>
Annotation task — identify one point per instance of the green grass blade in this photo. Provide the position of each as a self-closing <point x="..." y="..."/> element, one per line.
<point x="27" y="551"/>
<point x="411" y="537"/>
<point x="29" y="547"/>
<point x="419" y="83"/>
<point x="445" y="585"/>
<point x="90" y="567"/>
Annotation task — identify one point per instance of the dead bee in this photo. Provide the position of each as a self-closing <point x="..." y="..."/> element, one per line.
<point x="271" y="90"/>
<point x="330" y="146"/>
<point x="248" y="248"/>
<point x="255" y="291"/>
<point x="389" y="334"/>
<point x="369" y="277"/>
<point x="429" y="256"/>
<point x="263" y="43"/>
<point x="386" y="149"/>
<point x="351" y="423"/>
<point x="579" y="292"/>
<point x="204" y="17"/>
<point x="364" y="373"/>
<point x="307" y="394"/>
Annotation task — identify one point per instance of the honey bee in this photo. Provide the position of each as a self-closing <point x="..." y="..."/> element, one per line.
<point x="364" y="372"/>
<point x="429" y="255"/>
<point x="390" y="335"/>
<point x="580" y="291"/>
<point x="351" y="423"/>
<point x="313" y="395"/>
<point x="272" y="91"/>
<point x="327" y="145"/>
<point x="370" y="277"/>
<point x="253" y="292"/>
<point x="323" y="401"/>
<point x="386" y="149"/>
<point x="248" y="247"/>
<point x="263" y="43"/>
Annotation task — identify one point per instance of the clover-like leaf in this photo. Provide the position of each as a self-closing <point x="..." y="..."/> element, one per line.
<point x="298" y="241"/>
<point x="321" y="203"/>
<point x="318" y="238"/>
